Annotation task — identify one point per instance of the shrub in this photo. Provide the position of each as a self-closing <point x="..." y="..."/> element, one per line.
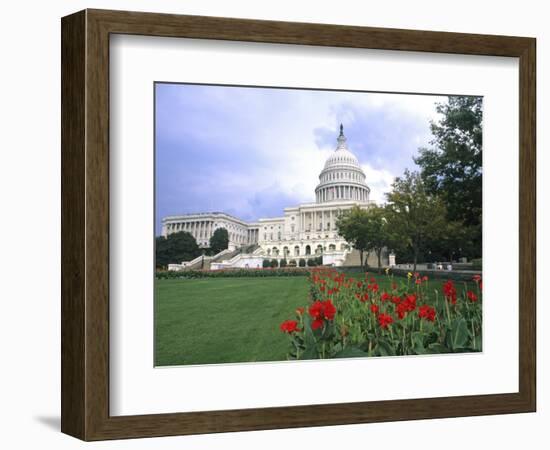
<point x="477" y="264"/>
<point x="292" y="263"/>
<point x="283" y="263"/>
<point x="302" y="262"/>
<point x="274" y="263"/>
<point x="266" y="263"/>
<point x="231" y="273"/>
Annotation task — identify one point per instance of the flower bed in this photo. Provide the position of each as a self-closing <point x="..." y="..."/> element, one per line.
<point x="349" y="317"/>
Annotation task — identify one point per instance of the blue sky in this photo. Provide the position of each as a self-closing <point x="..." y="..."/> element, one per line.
<point x="251" y="152"/>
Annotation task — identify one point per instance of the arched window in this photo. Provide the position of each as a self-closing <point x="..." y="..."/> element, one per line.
<point x="297" y="250"/>
<point x="308" y="250"/>
<point x="332" y="247"/>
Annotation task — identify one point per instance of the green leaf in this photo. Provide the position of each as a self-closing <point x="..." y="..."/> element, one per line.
<point x="384" y="348"/>
<point x="310" y="353"/>
<point x="459" y="334"/>
<point x="350" y="352"/>
<point x="436" y="347"/>
<point x="417" y="339"/>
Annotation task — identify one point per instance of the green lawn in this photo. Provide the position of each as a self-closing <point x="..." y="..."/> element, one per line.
<point x="221" y="320"/>
<point x="228" y="320"/>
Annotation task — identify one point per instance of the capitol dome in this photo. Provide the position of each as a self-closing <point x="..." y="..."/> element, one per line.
<point x="342" y="178"/>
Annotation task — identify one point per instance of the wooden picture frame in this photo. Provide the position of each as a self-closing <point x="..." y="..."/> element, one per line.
<point x="85" y="224"/>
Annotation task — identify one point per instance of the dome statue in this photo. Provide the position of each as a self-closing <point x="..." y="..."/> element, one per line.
<point x="342" y="178"/>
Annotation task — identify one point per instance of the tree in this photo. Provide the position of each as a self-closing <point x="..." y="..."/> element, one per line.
<point x="415" y="217"/>
<point x="452" y="167"/>
<point x="175" y="248"/>
<point x="352" y="226"/>
<point x="376" y="227"/>
<point x="219" y="240"/>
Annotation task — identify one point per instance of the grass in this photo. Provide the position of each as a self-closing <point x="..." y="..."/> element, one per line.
<point x="229" y="320"/>
<point x="224" y="320"/>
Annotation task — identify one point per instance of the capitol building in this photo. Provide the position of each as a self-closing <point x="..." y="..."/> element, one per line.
<point x="303" y="231"/>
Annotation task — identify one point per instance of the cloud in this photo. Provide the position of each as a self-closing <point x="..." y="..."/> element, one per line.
<point x="251" y="151"/>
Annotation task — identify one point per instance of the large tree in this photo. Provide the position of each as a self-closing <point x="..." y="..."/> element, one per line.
<point x="452" y="167"/>
<point x="377" y="231"/>
<point x="219" y="240"/>
<point x="415" y="217"/>
<point x="352" y="226"/>
<point x="175" y="248"/>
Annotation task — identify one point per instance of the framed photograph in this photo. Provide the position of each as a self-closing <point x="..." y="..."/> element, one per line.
<point x="273" y="225"/>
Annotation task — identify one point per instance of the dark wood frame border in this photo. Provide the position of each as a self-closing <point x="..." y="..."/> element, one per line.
<point x="85" y="224"/>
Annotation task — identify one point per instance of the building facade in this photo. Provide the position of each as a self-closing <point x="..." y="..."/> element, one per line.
<point x="302" y="231"/>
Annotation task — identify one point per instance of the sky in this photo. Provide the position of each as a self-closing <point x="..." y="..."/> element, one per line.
<point x="251" y="151"/>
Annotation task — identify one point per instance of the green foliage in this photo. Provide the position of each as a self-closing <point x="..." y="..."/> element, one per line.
<point x="477" y="264"/>
<point x="312" y="262"/>
<point x="283" y="263"/>
<point x="388" y="316"/>
<point x="452" y="167"/>
<point x="366" y="229"/>
<point x="219" y="240"/>
<point x="175" y="248"/>
<point x="415" y="217"/>
<point x="302" y="262"/>
<point x="274" y="263"/>
<point x="352" y="226"/>
<point x="232" y="273"/>
<point x="266" y="263"/>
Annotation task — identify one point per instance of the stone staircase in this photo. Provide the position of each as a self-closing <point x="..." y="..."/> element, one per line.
<point x="222" y="256"/>
<point x="353" y="258"/>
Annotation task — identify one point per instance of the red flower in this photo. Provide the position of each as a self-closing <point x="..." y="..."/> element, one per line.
<point x="426" y="312"/>
<point x="330" y="310"/>
<point x="449" y="291"/>
<point x="373" y="287"/>
<point x="373" y="280"/>
<point x="359" y="284"/>
<point x="425" y="278"/>
<point x="300" y="311"/>
<point x="472" y="296"/>
<point x="322" y="288"/>
<point x="374" y="308"/>
<point x="317" y="323"/>
<point x="384" y="320"/>
<point x="396" y="299"/>
<point x="418" y="281"/>
<point x="365" y="297"/>
<point x="289" y="326"/>
<point x="480" y="284"/>
<point x="385" y="296"/>
<point x="407" y="305"/>
<point x="322" y="310"/>
<point x="476" y="278"/>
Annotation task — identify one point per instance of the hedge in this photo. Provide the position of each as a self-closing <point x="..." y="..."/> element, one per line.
<point x="439" y="274"/>
<point x="184" y="274"/>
